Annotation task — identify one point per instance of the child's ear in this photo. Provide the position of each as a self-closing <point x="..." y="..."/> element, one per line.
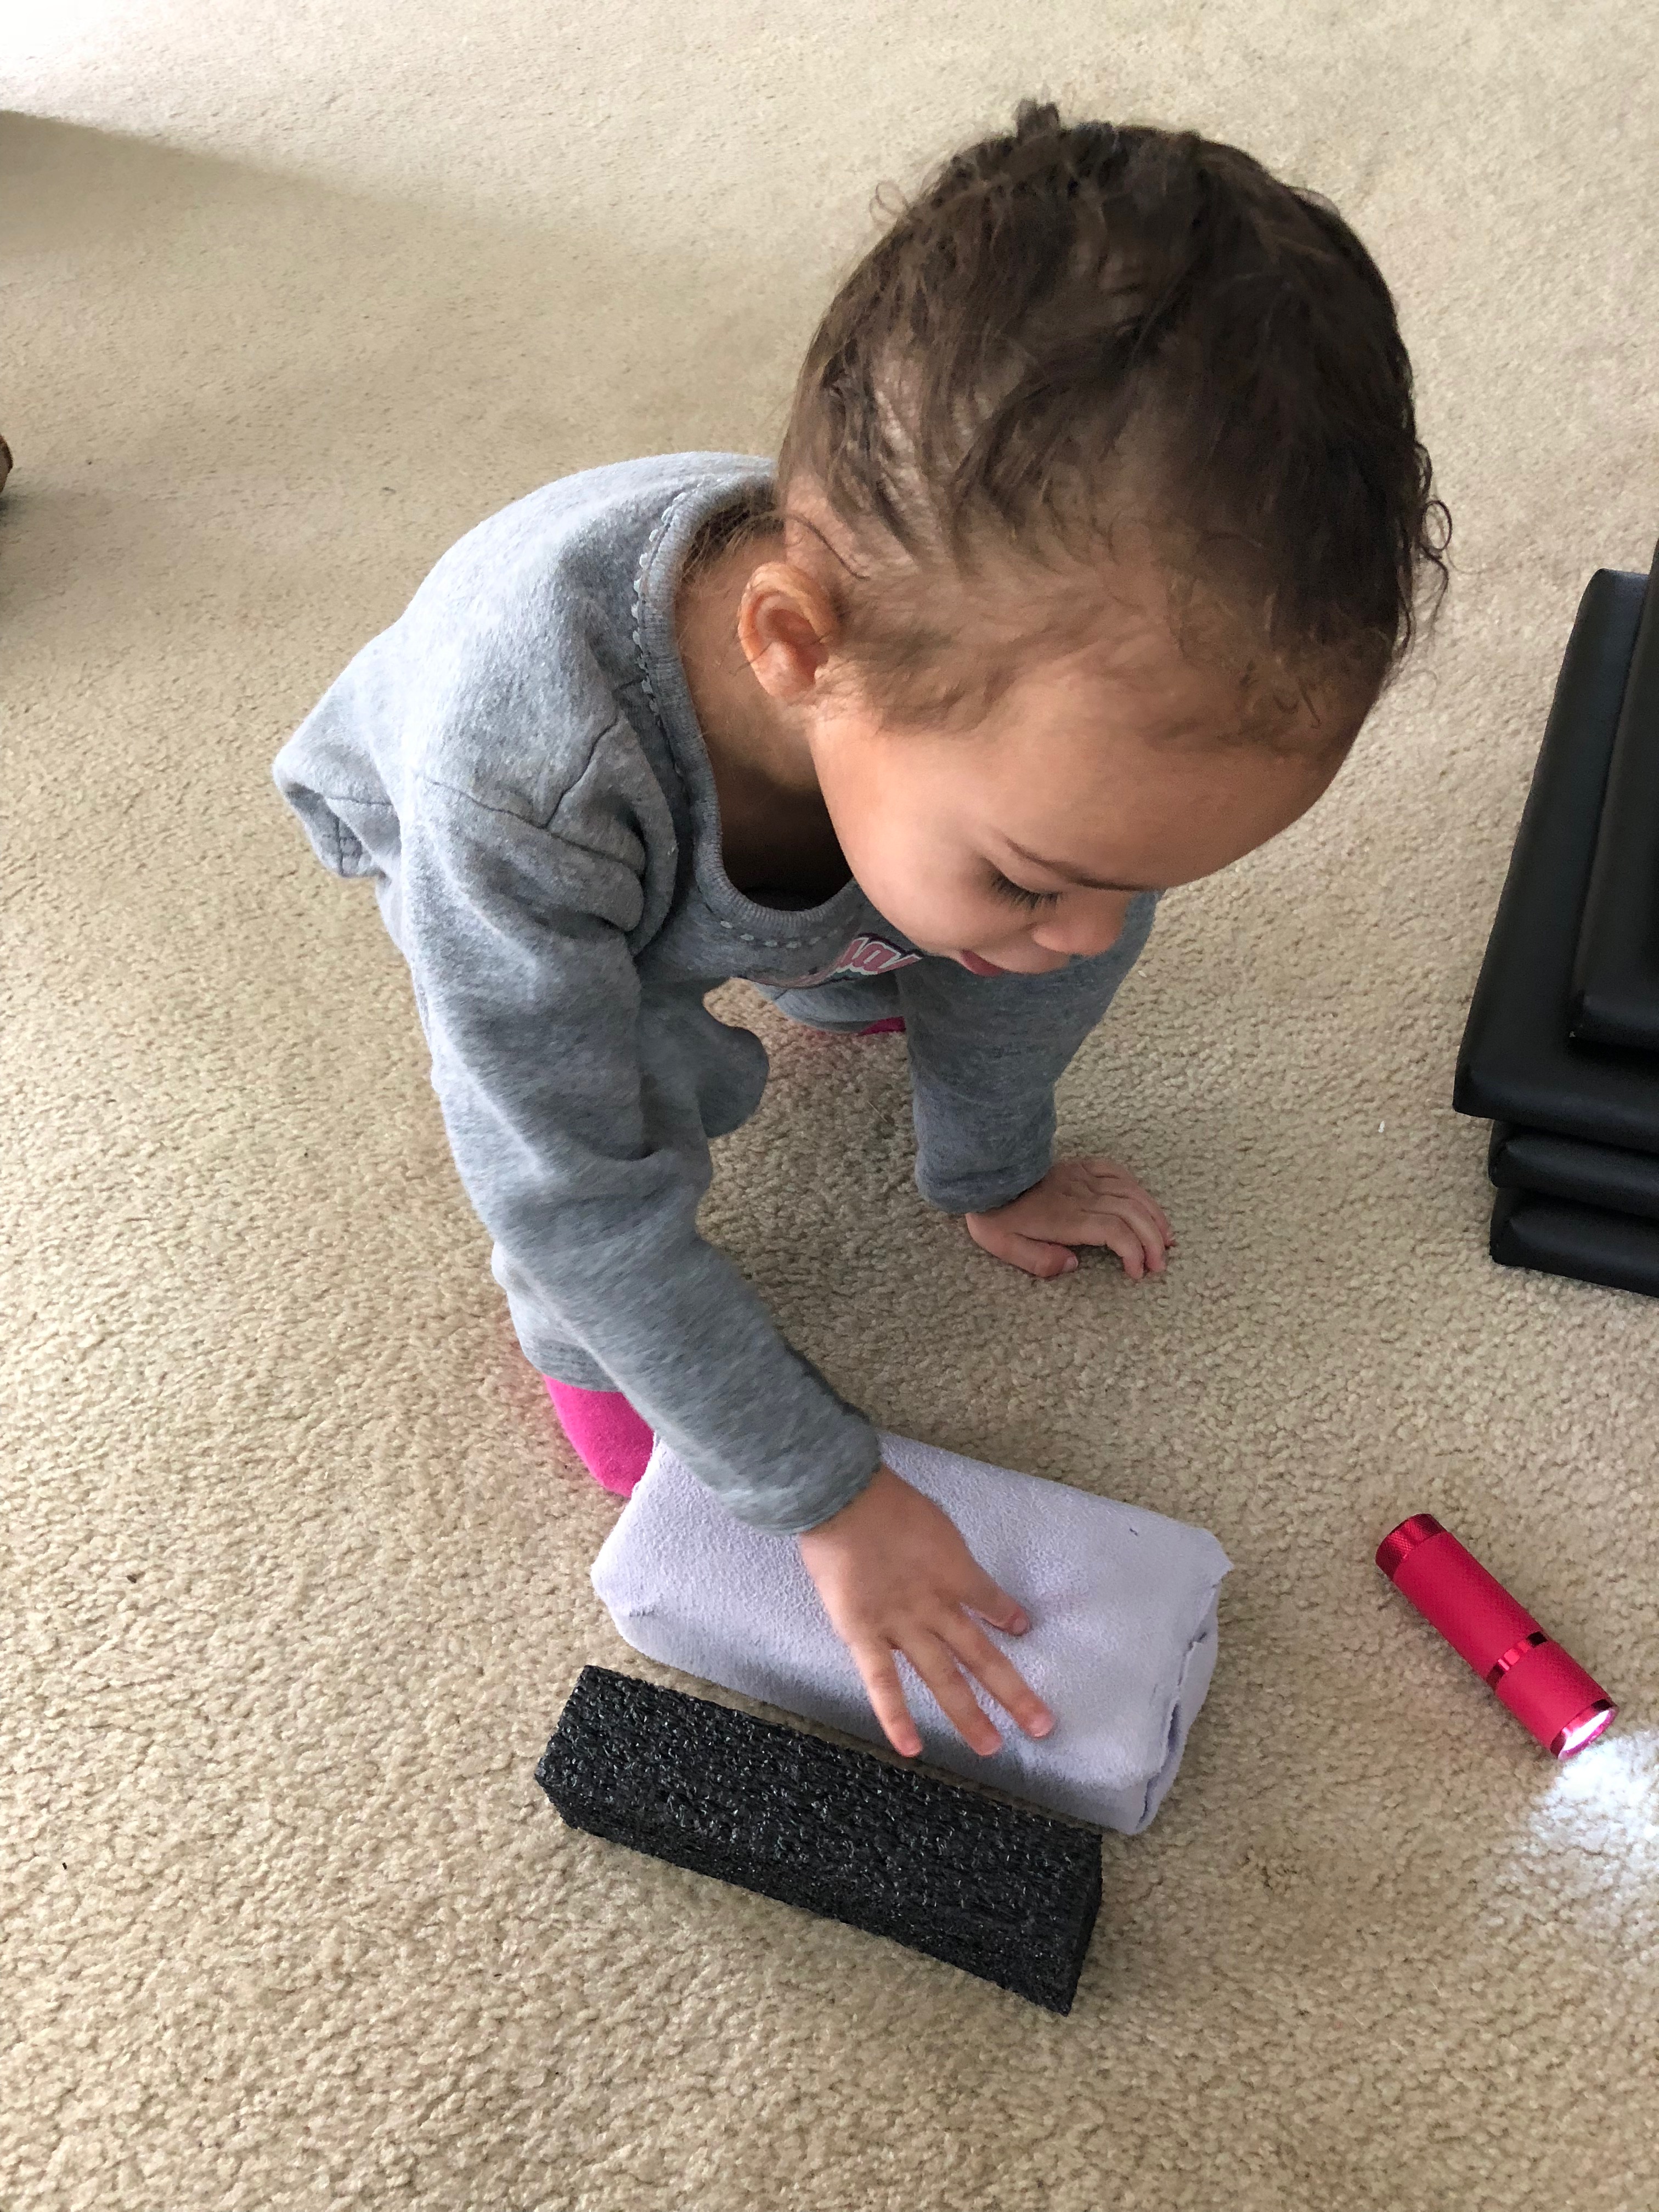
<point x="788" y="628"/>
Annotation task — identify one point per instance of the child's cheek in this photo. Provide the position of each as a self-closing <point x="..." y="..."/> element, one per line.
<point x="927" y="886"/>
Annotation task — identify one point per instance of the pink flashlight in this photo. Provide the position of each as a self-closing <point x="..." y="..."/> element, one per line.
<point x="1546" y="1690"/>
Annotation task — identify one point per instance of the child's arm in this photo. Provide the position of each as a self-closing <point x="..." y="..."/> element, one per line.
<point x="578" y="1138"/>
<point x="985" y="1053"/>
<point x="573" y="1106"/>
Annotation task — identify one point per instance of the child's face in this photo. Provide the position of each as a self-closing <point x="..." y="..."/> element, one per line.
<point x="1100" y="765"/>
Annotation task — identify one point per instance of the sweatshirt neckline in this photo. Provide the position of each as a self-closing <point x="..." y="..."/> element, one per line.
<point x="669" y="695"/>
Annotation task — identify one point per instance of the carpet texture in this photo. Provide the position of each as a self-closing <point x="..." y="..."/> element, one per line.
<point x="297" y="1577"/>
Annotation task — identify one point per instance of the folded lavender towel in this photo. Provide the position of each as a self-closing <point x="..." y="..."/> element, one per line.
<point x="1122" y="1604"/>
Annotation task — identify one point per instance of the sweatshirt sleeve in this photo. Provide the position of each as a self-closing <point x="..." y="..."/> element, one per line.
<point x="985" y="1053"/>
<point x="575" y="1129"/>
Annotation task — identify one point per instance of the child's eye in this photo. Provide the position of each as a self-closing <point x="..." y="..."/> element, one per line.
<point x="1018" y="895"/>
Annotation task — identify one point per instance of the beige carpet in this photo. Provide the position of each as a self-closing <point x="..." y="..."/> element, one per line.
<point x="297" y="1579"/>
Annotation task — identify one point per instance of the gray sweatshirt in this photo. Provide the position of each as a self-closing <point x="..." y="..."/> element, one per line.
<point x="516" y="765"/>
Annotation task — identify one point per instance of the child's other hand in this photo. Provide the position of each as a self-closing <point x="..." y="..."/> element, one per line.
<point x="895" y="1575"/>
<point x="1078" y="1202"/>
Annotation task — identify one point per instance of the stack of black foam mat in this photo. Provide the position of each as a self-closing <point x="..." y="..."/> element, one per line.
<point x="1561" y="1048"/>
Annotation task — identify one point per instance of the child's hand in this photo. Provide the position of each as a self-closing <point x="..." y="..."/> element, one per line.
<point x="895" y="1576"/>
<point x="1078" y="1202"/>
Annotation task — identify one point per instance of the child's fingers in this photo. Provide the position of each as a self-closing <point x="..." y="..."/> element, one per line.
<point x="1160" y="1218"/>
<point x="1139" y="1214"/>
<point x="1113" y="1182"/>
<point x="935" y="1662"/>
<point x="880" y="1677"/>
<point x="1118" y="1237"/>
<point x="1127" y="1229"/>
<point x="1036" y="1256"/>
<point x="1081" y="1212"/>
<point x="1153" y="1248"/>
<point x="992" y="1603"/>
<point x="997" y="1672"/>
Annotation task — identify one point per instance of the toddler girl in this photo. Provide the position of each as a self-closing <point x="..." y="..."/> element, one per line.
<point x="1095" y="532"/>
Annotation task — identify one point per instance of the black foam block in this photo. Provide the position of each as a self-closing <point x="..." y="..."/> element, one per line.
<point x="1009" y="1895"/>
<point x="1580" y="1241"/>
<point x="1566" y="1167"/>
<point x="1614" y="998"/>
<point x="1517" y="1063"/>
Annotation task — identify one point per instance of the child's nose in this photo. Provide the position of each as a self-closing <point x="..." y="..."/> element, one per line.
<point x="1094" y="927"/>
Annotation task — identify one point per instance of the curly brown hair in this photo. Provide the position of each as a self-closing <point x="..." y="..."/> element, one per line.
<point x="1073" y="323"/>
